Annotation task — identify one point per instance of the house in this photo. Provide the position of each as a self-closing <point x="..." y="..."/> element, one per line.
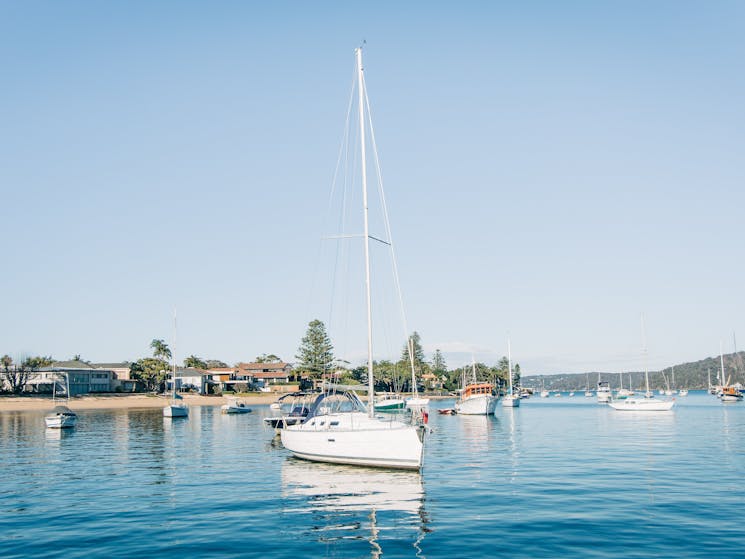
<point x="79" y="376"/>
<point x="264" y="374"/>
<point x="189" y="378"/>
<point x="122" y="381"/>
<point x="432" y="382"/>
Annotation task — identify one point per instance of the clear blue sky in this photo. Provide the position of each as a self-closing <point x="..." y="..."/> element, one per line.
<point x="553" y="170"/>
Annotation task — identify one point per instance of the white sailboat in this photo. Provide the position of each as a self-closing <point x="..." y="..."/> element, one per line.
<point x="176" y="407"/>
<point x="340" y="428"/>
<point x="415" y="401"/>
<point x="61" y="417"/>
<point x="649" y="402"/>
<point x="511" y="400"/>
<point x="588" y="392"/>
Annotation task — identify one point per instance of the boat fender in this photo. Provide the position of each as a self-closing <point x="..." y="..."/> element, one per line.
<point x="425" y="417"/>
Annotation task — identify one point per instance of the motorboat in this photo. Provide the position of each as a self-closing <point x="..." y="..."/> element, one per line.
<point x="235" y="406"/>
<point x="293" y="408"/>
<point x="642" y="404"/>
<point x="477" y="399"/>
<point x="603" y="391"/>
<point x="61" y="417"/>
<point x="389" y="402"/>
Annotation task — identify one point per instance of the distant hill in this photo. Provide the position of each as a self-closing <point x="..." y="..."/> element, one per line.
<point x="693" y="376"/>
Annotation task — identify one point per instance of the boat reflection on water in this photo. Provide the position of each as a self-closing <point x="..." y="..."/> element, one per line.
<point x="353" y="506"/>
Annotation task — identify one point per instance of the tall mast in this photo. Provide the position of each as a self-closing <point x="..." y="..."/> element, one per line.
<point x="721" y="358"/>
<point x="363" y="159"/>
<point x="644" y="352"/>
<point x="414" y="389"/>
<point x="509" y="363"/>
<point x="174" y="354"/>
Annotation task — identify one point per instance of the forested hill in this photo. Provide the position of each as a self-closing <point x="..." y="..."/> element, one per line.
<point x="687" y="375"/>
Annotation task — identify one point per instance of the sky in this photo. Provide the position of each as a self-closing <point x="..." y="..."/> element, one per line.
<point x="553" y="171"/>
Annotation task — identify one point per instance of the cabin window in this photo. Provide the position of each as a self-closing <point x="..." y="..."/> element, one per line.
<point x="334" y="423"/>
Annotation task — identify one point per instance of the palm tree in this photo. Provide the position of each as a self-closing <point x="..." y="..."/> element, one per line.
<point x="160" y="350"/>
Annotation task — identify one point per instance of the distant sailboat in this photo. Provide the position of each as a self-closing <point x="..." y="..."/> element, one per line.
<point x="648" y="403"/>
<point x="176" y="407"/>
<point x="511" y="400"/>
<point x="415" y="401"/>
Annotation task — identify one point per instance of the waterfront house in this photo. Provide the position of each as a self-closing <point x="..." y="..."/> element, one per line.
<point x="189" y="378"/>
<point x="81" y="377"/>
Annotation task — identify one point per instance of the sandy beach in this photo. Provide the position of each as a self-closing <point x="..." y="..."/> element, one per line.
<point x="121" y="401"/>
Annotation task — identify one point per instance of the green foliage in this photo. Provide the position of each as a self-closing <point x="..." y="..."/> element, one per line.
<point x="271" y="358"/>
<point x="439" y="367"/>
<point x="315" y="355"/>
<point x="416" y="341"/>
<point x="160" y="350"/>
<point x="196" y="362"/>
<point x="215" y="364"/>
<point x="37" y="362"/>
<point x="151" y="371"/>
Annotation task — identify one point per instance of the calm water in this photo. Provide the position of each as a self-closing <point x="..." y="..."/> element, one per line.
<point x="558" y="476"/>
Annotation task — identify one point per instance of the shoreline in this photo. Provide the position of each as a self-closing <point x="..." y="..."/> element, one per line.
<point x="132" y="401"/>
<point x="119" y="401"/>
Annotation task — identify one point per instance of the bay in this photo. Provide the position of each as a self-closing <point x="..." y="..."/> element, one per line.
<point x="557" y="476"/>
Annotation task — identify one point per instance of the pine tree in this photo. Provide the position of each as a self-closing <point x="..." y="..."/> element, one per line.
<point x="418" y="351"/>
<point x="315" y="354"/>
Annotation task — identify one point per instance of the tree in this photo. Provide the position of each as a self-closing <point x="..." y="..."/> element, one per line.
<point x="17" y="376"/>
<point x="160" y="350"/>
<point x="215" y="364"/>
<point x="196" y="362"/>
<point x="439" y="367"/>
<point x="418" y="351"/>
<point x="315" y="354"/>
<point x="151" y="371"/>
<point x="271" y="358"/>
<point x="76" y="357"/>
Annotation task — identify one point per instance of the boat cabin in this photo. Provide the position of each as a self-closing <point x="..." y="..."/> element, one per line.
<point x="477" y="390"/>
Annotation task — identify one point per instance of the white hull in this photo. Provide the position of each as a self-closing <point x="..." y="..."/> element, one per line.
<point x="511" y="401"/>
<point x="234" y="409"/>
<point x="356" y="439"/>
<point x="417" y="402"/>
<point x="176" y="410"/>
<point x="61" y="421"/>
<point x="643" y="404"/>
<point x="482" y="404"/>
<point x="604" y="397"/>
<point x="730" y="398"/>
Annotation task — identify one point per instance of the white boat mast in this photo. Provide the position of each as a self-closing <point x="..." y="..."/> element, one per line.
<point x="363" y="161"/>
<point x="414" y="389"/>
<point x="173" y="395"/>
<point x="644" y="353"/>
<point x="509" y="364"/>
<point x="721" y="359"/>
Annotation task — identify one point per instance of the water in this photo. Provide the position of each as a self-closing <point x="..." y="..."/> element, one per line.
<point x="555" y="477"/>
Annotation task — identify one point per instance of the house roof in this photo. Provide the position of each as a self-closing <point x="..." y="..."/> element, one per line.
<point x="122" y="365"/>
<point x="264" y="366"/>
<point x="189" y="371"/>
<point x="72" y="364"/>
<point x="222" y="369"/>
